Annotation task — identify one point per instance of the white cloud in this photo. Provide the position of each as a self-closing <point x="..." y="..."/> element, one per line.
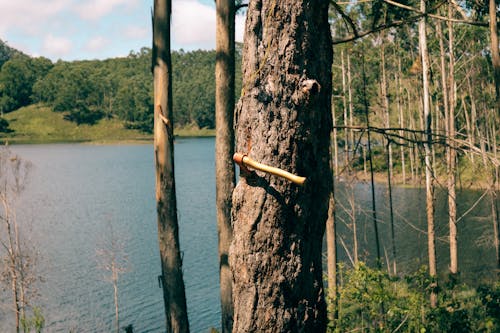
<point x="193" y="24"/>
<point x="96" y="44"/>
<point x="56" y="46"/>
<point x="95" y="9"/>
<point x="27" y="15"/>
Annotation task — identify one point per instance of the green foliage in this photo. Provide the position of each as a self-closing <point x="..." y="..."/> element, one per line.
<point x="87" y="91"/>
<point x="34" y="322"/>
<point x="6" y="52"/>
<point x="17" y="77"/>
<point x="370" y="300"/>
<point x="4" y="126"/>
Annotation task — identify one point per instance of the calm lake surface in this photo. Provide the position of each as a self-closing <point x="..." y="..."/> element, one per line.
<point x="77" y="191"/>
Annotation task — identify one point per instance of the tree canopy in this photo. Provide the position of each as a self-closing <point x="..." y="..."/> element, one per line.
<point x="87" y="91"/>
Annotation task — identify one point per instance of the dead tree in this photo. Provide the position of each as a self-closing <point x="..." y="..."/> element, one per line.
<point x="168" y="230"/>
<point x="283" y="120"/>
<point x="224" y="149"/>
<point x="429" y="172"/>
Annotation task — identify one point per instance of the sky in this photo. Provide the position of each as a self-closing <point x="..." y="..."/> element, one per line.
<point x="100" y="29"/>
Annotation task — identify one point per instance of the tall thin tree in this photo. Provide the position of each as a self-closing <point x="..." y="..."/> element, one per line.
<point x="429" y="180"/>
<point x="452" y="204"/>
<point x="224" y="149"/>
<point x="168" y="230"/>
<point x="283" y="120"/>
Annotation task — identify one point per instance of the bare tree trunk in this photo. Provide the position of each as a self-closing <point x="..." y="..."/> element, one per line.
<point x="495" y="57"/>
<point x="372" y="179"/>
<point x="429" y="182"/>
<point x="115" y="294"/>
<point x="351" y="104"/>
<point x="331" y="244"/>
<point x="399" y="94"/>
<point x="385" y="99"/>
<point x="168" y="230"/>
<point x="496" y="228"/>
<point x="224" y="150"/>
<point x="452" y="205"/>
<point x="335" y="143"/>
<point x="495" y="53"/>
<point x="347" y="143"/>
<point x="283" y="120"/>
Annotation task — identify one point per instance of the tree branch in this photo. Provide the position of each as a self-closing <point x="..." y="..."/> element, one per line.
<point x="345" y="17"/>
<point x="439" y="17"/>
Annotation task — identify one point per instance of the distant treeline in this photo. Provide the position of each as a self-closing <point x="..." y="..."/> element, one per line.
<point x="87" y="91"/>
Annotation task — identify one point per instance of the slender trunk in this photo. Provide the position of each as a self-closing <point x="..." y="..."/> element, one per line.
<point x="495" y="58"/>
<point x="168" y="230"/>
<point x="385" y="99"/>
<point x="429" y="182"/>
<point x="331" y="244"/>
<point x="224" y="150"/>
<point x="401" y="120"/>
<point x="473" y="114"/>
<point x="496" y="226"/>
<point x="283" y="120"/>
<point x="452" y="205"/>
<point x="351" y="105"/>
<point x="12" y="259"/>
<point x="335" y="143"/>
<point x="344" y="102"/>
<point x="391" y="215"/>
<point x="115" y="290"/>
<point x="352" y="214"/>
<point x="365" y="173"/>
<point x="495" y="54"/>
<point x="370" y="159"/>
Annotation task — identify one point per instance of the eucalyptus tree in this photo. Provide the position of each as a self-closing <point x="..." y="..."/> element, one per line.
<point x="283" y="119"/>
<point x="429" y="172"/>
<point x="224" y="148"/>
<point x="174" y="295"/>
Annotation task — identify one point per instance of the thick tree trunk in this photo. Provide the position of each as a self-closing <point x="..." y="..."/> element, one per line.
<point x="166" y="205"/>
<point x="283" y="120"/>
<point x="429" y="181"/>
<point x="224" y="150"/>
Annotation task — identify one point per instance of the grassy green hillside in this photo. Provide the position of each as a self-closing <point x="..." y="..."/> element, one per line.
<point x="39" y="124"/>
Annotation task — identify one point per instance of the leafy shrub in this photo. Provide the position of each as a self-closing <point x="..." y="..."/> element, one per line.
<point x="369" y="300"/>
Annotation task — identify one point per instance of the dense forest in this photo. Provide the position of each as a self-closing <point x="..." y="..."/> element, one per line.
<point x="87" y="91"/>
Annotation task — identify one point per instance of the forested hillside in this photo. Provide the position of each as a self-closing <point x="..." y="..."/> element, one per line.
<point x="88" y="91"/>
<point x="381" y="75"/>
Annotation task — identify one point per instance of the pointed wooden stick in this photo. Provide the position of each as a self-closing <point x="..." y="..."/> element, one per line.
<point x="244" y="161"/>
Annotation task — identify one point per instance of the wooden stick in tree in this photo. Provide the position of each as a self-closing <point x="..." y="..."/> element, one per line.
<point x="244" y="161"/>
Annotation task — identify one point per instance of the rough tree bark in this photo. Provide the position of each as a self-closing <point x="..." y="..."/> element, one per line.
<point x="166" y="205"/>
<point x="224" y="149"/>
<point x="429" y="181"/>
<point x="283" y="120"/>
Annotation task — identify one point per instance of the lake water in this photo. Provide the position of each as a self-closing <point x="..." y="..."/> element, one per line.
<point x="77" y="191"/>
